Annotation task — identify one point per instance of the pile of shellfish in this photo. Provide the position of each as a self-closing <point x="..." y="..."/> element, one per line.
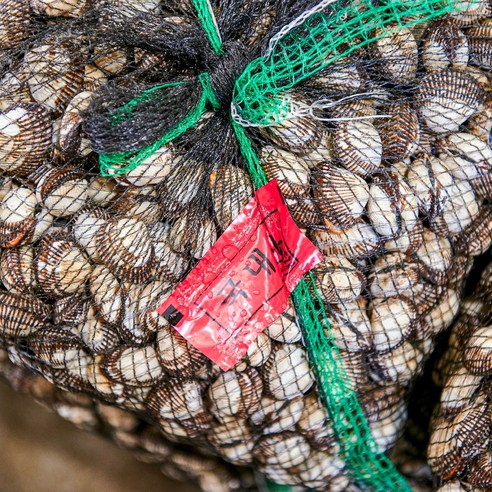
<point x="392" y="180"/>
<point x="459" y="451"/>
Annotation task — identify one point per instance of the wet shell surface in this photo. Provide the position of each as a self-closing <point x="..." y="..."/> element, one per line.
<point x="15" y="18"/>
<point x="17" y="270"/>
<point x="126" y="248"/>
<point x="446" y="99"/>
<point x="480" y="41"/>
<point x="478" y="351"/>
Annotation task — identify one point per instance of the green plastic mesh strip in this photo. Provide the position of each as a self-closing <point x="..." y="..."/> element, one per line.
<point x="121" y="163"/>
<point x="209" y="24"/>
<point x="365" y="463"/>
<point x="322" y="39"/>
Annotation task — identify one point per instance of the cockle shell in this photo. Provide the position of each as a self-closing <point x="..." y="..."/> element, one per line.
<point x="323" y="469"/>
<point x="299" y="135"/>
<point x="179" y="399"/>
<point x="134" y="366"/>
<point x="84" y="228"/>
<point x="470" y="11"/>
<point x="60" y="8"/>
<point x="354" y="108"/>
<point x="97" y="335"/>
<point x="25" y="138"/>
<point x="140" y="204"/>
<point x="447" y="98"/>
<point x="102" y="191"/>
<point x="340" y="194"/>
<point x="379" y="403"/>
<point x="454" y="486"/>
<point x="314" y="422"/>
<point x="17" y="270"/>
<point x="21" y="314"/>
<point x="392" y="321"/>
<point x="233" y="441"/>
<point x="339" y="280"/>
<point x="480" y="41"/>
<point x="287" y="373"/>
<point x="235" y="394"/>
<point x="285" y="328"/>
<point x="476" y="239"/>
<point x="392" y="206"/>
<point x="230" y="189"/>
<point x="71" y="310"/>
<point x="458" y="389"/>
<point x="15" y="19"/>
<point x="13" y="90"/>
<point x="93" y="78"/>
<point x="387" y="431"/>
<point x="126" y="248"/>
<point x="478" y="351"/>
<point x="62" y="267"/>
<point x="277" y="415"/>
<point x="176" y="355"/>
<point x="258" y="352"/>
<point x="358" y="146"/>
<point x="445" y="45"/>
<point x="17" y="219"/>
<point x="397" y="52"/>
<point x="285" y="450"/>
<point x="62" y="191"/>
<point x="480" y="474"/>
<point x="110" y="58"/>
<point x="408" y="242"/>
<point x="340" y="76"/>
<point x="291" y="171"/>
<point x="434" y="256"/>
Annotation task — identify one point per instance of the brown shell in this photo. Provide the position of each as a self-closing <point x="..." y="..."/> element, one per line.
<point x="470" y="12"/>
<point x="54" y="346"/>
<point x="447" y="98"/>
<point x="358" y="146"/>
<point x="25" y="138"/>
<point x="478" y="351"/>
<point x="61" y="8"/>
<point x="125" y="247"/>
<point x="287" y="449"/>
<point x="21" y="314"/>
<point x="144" y="207"/>
<point x="62" y="267"/>
<point x="340" y="76"/>
<point x="480" y="41"/>
<point x="15" y="18"/>
<point x="340" y="194"/>
<point x="379" y="403"/>
<point x="176" y="355"/>
<point x="434" y="257"/>
<point x="305" y="211"/>
<point x="71" y="310"/>
<point x="476" y="239"/>
<point x="17" y="270"/>
<point x="480" y="474"/>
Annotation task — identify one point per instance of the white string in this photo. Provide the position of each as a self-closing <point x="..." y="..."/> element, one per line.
<point x="212" y="15"/>
<point x="295" y="23"/>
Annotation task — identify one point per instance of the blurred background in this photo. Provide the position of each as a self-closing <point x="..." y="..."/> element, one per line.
<point x="41" y="452"/>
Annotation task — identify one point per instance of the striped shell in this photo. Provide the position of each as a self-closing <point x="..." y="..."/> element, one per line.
<point x="102" y="191"/>
<point x="358" y="146"/>
<point x="62" y="191"/>
<point x="141" y="204"/>
<point x="21" y="314"/>
<point x="13" y="90"/>
<point x="340" y="194"/>
<point x="445" y="45"/>
<point x="85" y="226"/>
<point x="447" y="98"/>
<point x="25" y="138"/>
<point x="233" y="441"/>
<point x="314" y="422"/>
<point x="98" y="336"/>
<point x="62" y="267"/>
<point x="60" y="8"/>
<point x="476" y="239"/>
<point x="17" y="219"/>
<point x="434" y="256"/>
<point x="285" y="450"/>
<point x="285" y="328"/>
<point x="277" y="415"/>
<point x="470" y="11"/>
<point x="230" y="189"/>
<point x="17" y="270"/>
<point x="71" y="310"/>
<point x="340" y="76"/>
<point x="125" y="247"/>
<point x="110" y="58"/>
<point x="478" y="351"/>
<point x="480" y="474"/>
<point x="15" y="19"/>
<point x="480" y="41"/>
<point x="458" y="389"/>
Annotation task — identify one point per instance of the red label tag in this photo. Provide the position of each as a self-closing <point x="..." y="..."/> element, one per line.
<point x="243" y="282"/>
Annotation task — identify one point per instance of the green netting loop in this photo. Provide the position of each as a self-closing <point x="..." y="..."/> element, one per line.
<point x="322" y="39"/>
<point x="209" y="24"/>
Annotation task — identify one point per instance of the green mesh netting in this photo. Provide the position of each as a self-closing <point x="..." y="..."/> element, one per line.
<point x="322" y="39"/>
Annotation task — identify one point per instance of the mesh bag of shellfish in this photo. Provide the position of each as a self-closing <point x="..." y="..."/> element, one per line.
<point x="169" y="172"/>
<point x="459" y="451"/>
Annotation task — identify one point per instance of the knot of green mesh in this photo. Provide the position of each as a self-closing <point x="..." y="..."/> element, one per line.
<point x="323" y="38"/>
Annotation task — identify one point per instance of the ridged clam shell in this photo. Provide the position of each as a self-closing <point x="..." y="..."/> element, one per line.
<point x="476" y="239"/>
<point x="445" y="45"/>
<point x="140" y="205"/>
<point x="60" y="8"/>
<point x="408" y="242"/>
<point x="470" y="11"/>
<point x="15" y="19"/>
<point x="386" y="432"/>
<point x="98" y="336"/>
<point x="454" y="486"/>
<point x="287" y="373"/>
<point x="13" y="90"/>
<point x="458" y="390"/>
<point x="102" y="191"/>
<point x="480" y="41"/>
<point x="323" y="469"/>
<point x="125" y="247"/>
<point x="400" y="134"/>
<point x="110" y="58"/>
<point x="176" y="355"/>
<point x="380" y="403"/>
<point x="230" y="189"/>
<point x="17" y="270"/>
<point x="84" y="229"/>
<point x="447" y="98"/>
<point x="71" y="310"/>
<point x="434" y="256"/>
<point x="392" y="322"/>
<point x="443" y="313"/>
<point x="478" y="351"/>
<point x="62" y="268"/>
<point x="339" y="280"/>
<point x="398" y="53"/>
<point x="193" y="234"/>
<point x="276" y="415"/>
<point x="54" y="346"/>
<point x="392" y="206"/>
<point x="94" y="78"/>
<point x="100" y="382"/>
<point x="304" y="211"/>
<point x="63" y="191"/>
<point x="285" y="328"/>
<point x="134" y="366"/>
<point x="298" y="135"/>
<point x="358" y="241"/>
<point x="25" y="138"/>
<point x="358" y="146"/>
<point x="314" y="423"/>
<point x="233" y="441"/>
<point x="291" y="171"/>
<point x="21" y="314"/>
<point x="480" y="474"/>
<point x="52" y="79"/>
<point x="355" y="108"/>
<point x="340" y="194"/>
<point x="257" y="354"/>
<point x="235" y="394"/>
<point x="341" y="76"/>
<point x="285" y="450"/>
<point x="179" y="399"/>
<point x="393" y="275"/>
